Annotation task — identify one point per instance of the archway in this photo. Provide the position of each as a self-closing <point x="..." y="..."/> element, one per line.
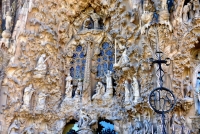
<point x="71" y="127"/>
<point x="105" y="127"/>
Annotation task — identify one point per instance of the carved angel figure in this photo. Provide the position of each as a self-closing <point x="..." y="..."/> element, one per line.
<point x="68" y="81"/>
<point x="68" y="86"/>
<point x="28" y="91"/>
<point x="100" y="90"/>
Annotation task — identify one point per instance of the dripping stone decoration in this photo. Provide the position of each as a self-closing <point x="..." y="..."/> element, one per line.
<point x="161" y="99"/>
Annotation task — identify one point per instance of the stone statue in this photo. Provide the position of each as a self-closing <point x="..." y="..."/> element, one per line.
<point x="100" y="90"/>
<point x="127" y="92"/>
<point x="8" y="21"/>
<point x="136" y="92"/>
<point x="187" y="87"/>
<point x="68" y="86"/>
<point x="41" y="63"/>
<point x="41" y="101"/>
<point x="197" y="97"/>
<point x="191" y="12"/>
<point x="124" y="60"/>
<point x="84" y="123"/>
<point x="196" y="8"/>
<point x="80" y="85"/>
<point x="28" y="91"/>
<point x="68" y="81"/>
<point x="109" y="85"/>
<point x="185" y="13"/>
<point x="14" y="127"/>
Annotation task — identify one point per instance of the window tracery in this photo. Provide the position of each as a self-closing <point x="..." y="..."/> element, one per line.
<point x="78" y="63"/>
<point x="105" y="59"/>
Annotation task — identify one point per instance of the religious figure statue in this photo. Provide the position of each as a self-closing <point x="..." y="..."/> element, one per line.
<point x="14" y="127"/>
<point x="191" y="12"/>
<point x="68" y="86"/>
<point x="28" y="91"/>
<point x="187" y="88"/>
<point x="8" y="21"/>
<point x="41" y="101"/>
<point x="185" y="13"/>
<point x="196" y="7"/>
<point x="100" y="90"/>
<point x="127" y="92"/>
<point x="109" y="85"/>
<point x="197" y="96"/>
<point x="84" y="123"/>
<point x="80" y="86"/>
<point x="124" y="60"/>
<point x="68" y="81"/>
<point x="136" y="91"/>
<point x="41" y="63"/>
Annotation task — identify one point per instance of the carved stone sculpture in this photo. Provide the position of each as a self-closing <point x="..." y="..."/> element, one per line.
<point x="137" y="127"/>
<point x="185" y="13"/>
<point x="9" y="22"/>
<point x="127" y="92"/>
<point x="136" y="91"/>
<point x="28" y="91"/>
<point x="41" y="67"/>
<point x="100" y="90"/>
<point x="109" y="85"/>
<point x="196" y="8"/>
<point x="187" y="88"/>
<point x="14" y="127"/>
<point x="84" y="123"/>
<point x="68" y="86"/>
<point x="41" y="102"/>
<point x="147" y="126"/>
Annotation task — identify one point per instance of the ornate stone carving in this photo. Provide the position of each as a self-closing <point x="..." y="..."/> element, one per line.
<point x="14" y="128"/>
<point x="41" y="102"/>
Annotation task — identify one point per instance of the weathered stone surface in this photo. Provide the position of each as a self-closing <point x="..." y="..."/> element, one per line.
<point x="86" y="60"/>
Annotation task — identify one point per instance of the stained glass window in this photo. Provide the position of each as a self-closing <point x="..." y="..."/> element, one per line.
<point x="105" y="59"/>
<point x="198" y="91"/>
<point x="78" y="63"/>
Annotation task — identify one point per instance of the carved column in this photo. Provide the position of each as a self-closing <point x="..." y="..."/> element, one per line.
<point x="86" y="93"/>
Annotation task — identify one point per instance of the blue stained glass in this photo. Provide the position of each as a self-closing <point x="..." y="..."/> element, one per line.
<point x="74" y="55"/>
<point x="78" y="60"/>
<point x="110" y="67"/>
<point x="72" y="72"/>
<point x="105" y="67"/>
<point x="83" y="61"/>
<point x="111" y="58"/>
<point x="105" y="58"/>
<point x="105" y="45"/>
<point x="82" y="72"/>
<point x="101" y="53"/>
<point x="81" y="55"/>
<point x="78" y="48"/>
<point x="78" y="70"/>
<point x="99" y="70"/>
<point x="99" y="60"/>
<point x="109" y="52"/>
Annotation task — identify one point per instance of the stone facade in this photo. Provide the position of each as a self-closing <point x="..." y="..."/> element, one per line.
<point x="85" y="60"/>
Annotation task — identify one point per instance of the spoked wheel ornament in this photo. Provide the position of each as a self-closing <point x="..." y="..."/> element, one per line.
<point x="161" y="99"/>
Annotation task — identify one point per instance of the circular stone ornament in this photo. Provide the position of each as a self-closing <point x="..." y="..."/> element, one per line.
<point x="162" y="100"/>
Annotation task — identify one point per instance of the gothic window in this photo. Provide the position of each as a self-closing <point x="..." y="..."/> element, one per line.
<point x="105" y="59"/>
<point x="78" y="63"/>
